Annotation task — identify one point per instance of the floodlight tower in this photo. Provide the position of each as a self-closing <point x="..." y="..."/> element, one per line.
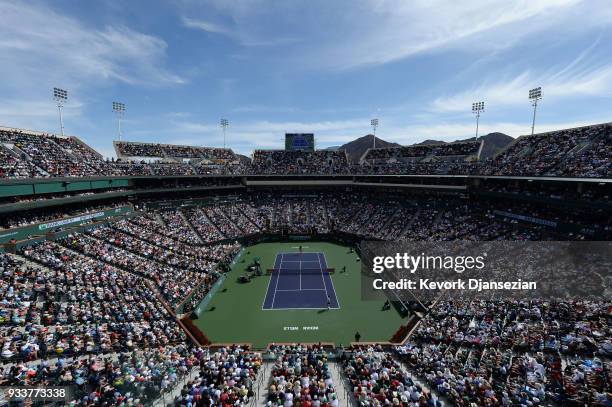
<point x="535" y="94"/>
<point x="119" y="110"/>
<point x="477" y="108"/>
<point x="224" y="123"/>
<point x="60" y="96"/>
<point x="374" y="124"/>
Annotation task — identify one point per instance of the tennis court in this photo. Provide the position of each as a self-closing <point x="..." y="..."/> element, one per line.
<point x="235" y="313"/>
<point x="300" y="281"/>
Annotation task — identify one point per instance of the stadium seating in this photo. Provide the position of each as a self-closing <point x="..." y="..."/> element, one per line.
<point x="13" y="165"/>
<point x="449" y="158"/>
<point x="181" y="229"/>
<point x="299" y="162"/>
<point x="377" y="378"/>
<point x="150" y="150"/>
<point x="503" y="352"/>
<point x="225" y="377"/>
<point x="106" y="302"/>
<point x="46" y="152"/>
<point x="301" y="375"/>
<point x="102" y="308"/>
<point x="80" y="305"/>
<point x="449" y="151"/>
<point x="29" y="218"/>
<point x="579" y="152"/>
<point x="163" y="229"/>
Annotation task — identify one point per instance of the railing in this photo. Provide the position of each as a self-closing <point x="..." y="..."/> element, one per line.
<point x="169" y="394"/>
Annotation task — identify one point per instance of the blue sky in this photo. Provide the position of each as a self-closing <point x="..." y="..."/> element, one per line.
<point x="317" y="66"/>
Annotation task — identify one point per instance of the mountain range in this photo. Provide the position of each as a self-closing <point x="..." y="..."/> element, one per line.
<point x="493" y="143"/>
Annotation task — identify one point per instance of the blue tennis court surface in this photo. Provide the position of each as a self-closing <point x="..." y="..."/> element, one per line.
<point x="300" y="281"/>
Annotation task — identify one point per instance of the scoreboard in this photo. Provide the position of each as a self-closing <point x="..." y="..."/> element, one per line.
<point x="299" y="141"/>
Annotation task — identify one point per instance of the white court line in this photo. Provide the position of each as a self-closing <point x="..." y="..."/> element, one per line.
<point x="269" y="282"/>
<point x="304" y="289"/>
<point x="280" y="267"/>
<point x="290" y="308"/>
<point x="331" y="279"/>
<point x="282" y="260"/>
<point x="300" y="276"/>
<point x="323" y="277"/>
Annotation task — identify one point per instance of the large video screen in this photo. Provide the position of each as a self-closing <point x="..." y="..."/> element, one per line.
<point x="299" y="141"/>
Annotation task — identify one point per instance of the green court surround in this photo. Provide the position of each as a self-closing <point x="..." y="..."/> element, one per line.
<point x="235" y="312"/>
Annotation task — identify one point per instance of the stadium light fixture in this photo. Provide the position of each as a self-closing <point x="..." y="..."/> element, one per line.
<point x="374" y="124"/>
<point x="61" y="97"/>
<point x="477" y="108"/>
<point x="224" y="123"/>
<point x="119" y="110"/>
<point x="535" y="94"/>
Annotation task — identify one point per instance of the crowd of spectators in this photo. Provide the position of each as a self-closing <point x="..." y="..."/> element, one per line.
<point x="223" y="223"/>
<point x="99" y="308"/>
<point x="174" y="273"/>
<point x="377" y="219"/>
<point x="96" y="307"/>
<point x="151" y="150"/>
<point x="71" y="304"/>
<point x="434" y="167"/>
<point x="47" y="154"/>
<point x="48" y="214"/>
<point x="130" y="378"/>
<point x="301" y="376"/>
<point x="233" y="213"/>
<point x="493" y="352"/>
<point x="377" y="379"/>
<point x="132" y="168"/>
<point x="204" y="168"/>
<point x="594" y="161"/>
<point x="423" y="151"/>
<point x="387" y="219"/>
<point x="142" y="375"/>
<point x="14" y="166"/>
<point x="225" y="378"/>
<point x="171" y="169"/>
<point x="206" y="229"/>
<point x="166" y="237"/>
<point x="551" y="192"/>
<point x="9" y="200"/>
<point x="299" y="162"/>
<point x="578" y="152"/>
<point x="31" y="155"/>
<point x="176" y="226"/>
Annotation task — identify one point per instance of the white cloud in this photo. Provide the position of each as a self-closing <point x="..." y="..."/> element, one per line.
<point x="39" y="46"/>
<point x="575" y="80"/>
<point x="36" y="114"/>
<point x="395" y="30"/>
<point x="248" y="40"/>
<point x="348" y="34"/>
<point x="207" y="26"/>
